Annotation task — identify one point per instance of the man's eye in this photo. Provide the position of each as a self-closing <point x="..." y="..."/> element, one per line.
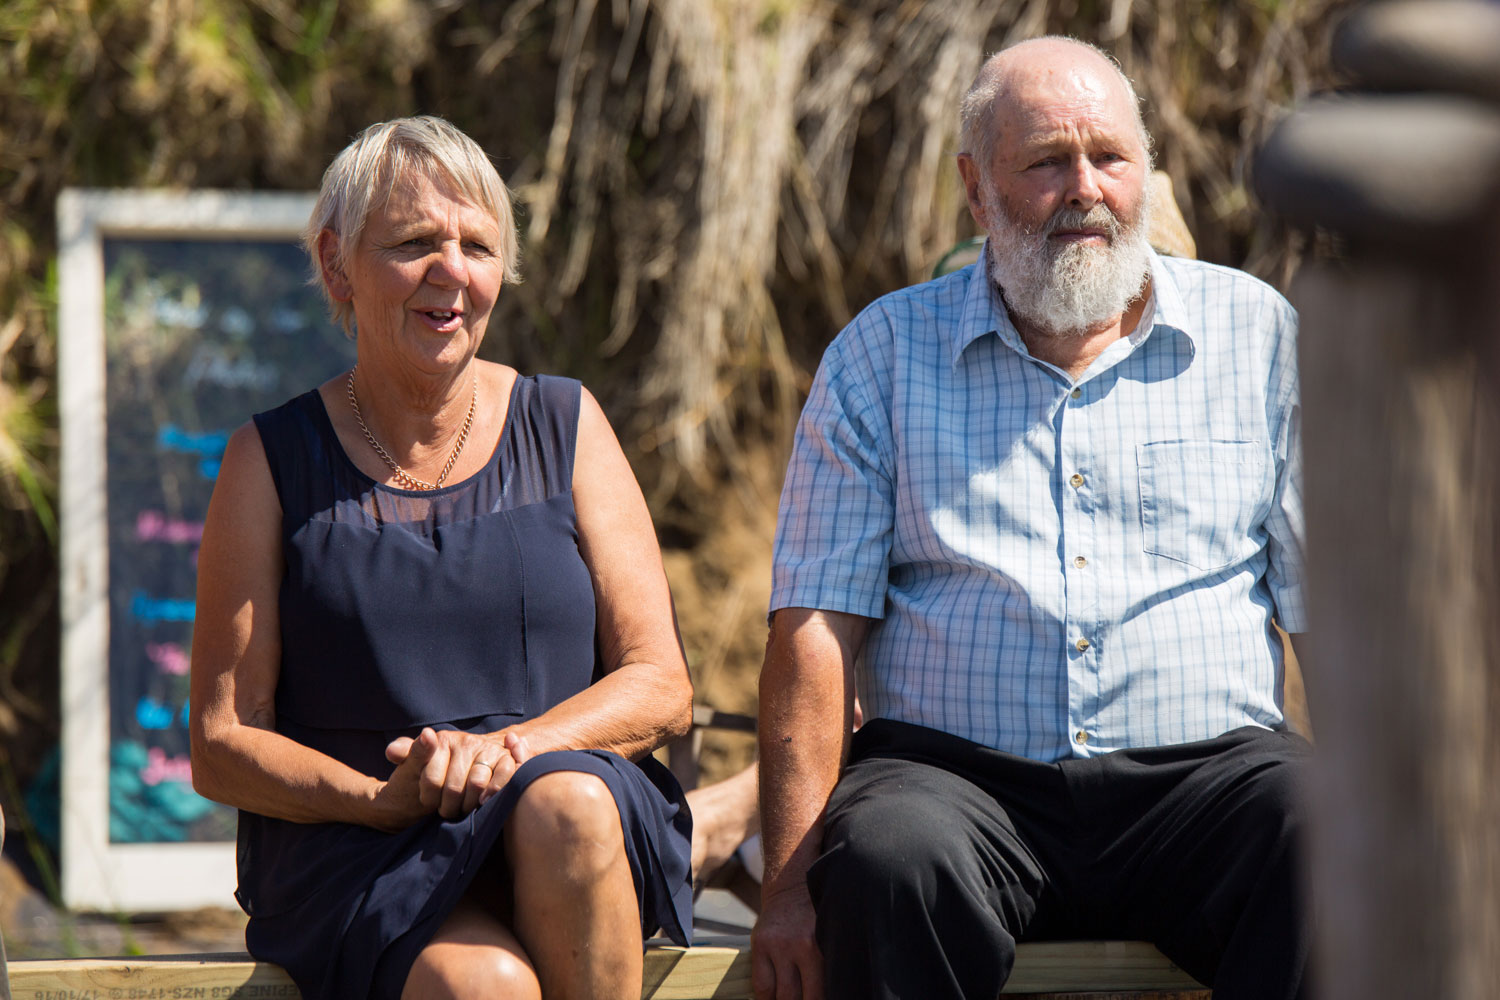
<point x="477" y="248"/>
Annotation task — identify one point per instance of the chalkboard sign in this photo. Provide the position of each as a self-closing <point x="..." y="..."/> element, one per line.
<point x="180" y="316"/>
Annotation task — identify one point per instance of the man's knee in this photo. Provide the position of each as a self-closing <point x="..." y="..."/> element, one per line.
<point x="918" y="846"/>
<point x="877" y="845"/>
<point x="1254" y="917"/>
<point x="922" y="887"/>
<point x="1272" y="798"/>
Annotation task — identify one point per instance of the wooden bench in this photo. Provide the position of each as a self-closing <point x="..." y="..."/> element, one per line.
<point x="716" y="970"/>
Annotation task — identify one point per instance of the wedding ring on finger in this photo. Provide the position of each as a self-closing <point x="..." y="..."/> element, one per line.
<point x="484" y="764"/>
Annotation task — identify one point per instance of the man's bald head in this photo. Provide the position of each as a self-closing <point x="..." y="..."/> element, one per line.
<point x="1038" y="61"/>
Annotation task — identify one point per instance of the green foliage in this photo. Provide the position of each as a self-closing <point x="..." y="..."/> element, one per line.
<point x="21" y="469"/>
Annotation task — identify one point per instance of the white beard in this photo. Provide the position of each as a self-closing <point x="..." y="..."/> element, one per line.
<point x="1071" y="290"/>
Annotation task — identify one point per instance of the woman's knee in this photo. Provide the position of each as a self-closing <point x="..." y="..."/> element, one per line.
<point x="568" y="816"/>
<point x="463" y="967"/>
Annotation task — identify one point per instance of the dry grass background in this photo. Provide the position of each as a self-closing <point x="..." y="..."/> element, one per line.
<point x="711" y="188"/>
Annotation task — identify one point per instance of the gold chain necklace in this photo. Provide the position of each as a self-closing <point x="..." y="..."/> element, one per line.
<point x="403" y="477"/>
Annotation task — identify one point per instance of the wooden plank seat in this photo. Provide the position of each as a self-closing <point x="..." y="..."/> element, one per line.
<point x="718" y="969"/>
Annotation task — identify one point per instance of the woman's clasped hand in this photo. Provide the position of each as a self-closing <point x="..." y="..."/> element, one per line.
<point x="448" y="772"/>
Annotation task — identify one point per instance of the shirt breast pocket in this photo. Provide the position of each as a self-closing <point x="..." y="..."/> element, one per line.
<point x="1198" y="498"/>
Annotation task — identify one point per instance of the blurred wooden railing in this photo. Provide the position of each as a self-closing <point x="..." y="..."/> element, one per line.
<point x="1401" y="427"/>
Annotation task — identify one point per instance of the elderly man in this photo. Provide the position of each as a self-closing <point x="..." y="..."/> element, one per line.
<point x="1041" y="513"/>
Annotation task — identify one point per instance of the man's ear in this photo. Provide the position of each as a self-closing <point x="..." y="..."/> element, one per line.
<point x="968" y="171"/>
<point x="328" y="262"/>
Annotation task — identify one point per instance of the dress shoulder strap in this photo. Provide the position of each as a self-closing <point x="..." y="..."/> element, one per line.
<point x="294" y="436"/>
<point x="541" y="439"/>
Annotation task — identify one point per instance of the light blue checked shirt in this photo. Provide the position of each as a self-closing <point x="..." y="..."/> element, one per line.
<point x="1058" y="568"/>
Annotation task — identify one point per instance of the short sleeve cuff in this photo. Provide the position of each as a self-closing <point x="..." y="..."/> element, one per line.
<point x="809" y="595"/>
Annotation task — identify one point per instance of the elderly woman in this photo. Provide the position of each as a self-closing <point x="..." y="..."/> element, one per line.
<point x="434" y="645"/>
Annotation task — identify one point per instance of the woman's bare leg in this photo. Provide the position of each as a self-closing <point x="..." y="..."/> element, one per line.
<point x="472" y="956"/>
<point x="575" y="911"/>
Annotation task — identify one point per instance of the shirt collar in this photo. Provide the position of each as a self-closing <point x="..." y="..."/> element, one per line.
<point x="984" y="310"/>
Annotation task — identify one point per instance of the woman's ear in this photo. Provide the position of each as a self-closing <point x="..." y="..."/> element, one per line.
<point x="334" y="277"/>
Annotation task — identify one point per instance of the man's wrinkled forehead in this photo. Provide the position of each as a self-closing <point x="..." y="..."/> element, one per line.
<point x="1084" y="78"/>
<point x="1059" y="60"/>
<point x="1064" y="122"/>
<point x="1070" y="85"/>
<point x="1045" y="81"/>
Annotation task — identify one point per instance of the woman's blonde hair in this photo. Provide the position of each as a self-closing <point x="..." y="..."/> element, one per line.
<point x="368" y="170"/>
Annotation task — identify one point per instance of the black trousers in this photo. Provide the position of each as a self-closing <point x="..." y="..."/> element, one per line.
<point x="940" y="854"/>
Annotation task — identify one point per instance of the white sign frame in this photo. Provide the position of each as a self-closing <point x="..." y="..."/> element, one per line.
<point x="96" y="874"/>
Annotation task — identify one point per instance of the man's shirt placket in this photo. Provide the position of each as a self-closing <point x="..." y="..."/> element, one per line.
<point x="1078" y="556"/>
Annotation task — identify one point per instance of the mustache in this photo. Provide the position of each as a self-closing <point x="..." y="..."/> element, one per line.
<point x="1097" y="217"/>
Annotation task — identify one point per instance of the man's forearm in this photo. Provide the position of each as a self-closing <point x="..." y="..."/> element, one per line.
<point x="806" y="713"/>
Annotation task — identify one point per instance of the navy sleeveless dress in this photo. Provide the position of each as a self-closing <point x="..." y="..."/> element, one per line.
<point x="464" y="608"/>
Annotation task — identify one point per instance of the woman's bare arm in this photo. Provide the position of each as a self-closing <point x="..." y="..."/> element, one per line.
<point x="645" y="698"/>
<point x="238" y="758"/>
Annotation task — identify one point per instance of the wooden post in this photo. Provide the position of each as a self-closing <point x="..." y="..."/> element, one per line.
<point x="1400" y="367"/>
<point x="1402" y="444"/>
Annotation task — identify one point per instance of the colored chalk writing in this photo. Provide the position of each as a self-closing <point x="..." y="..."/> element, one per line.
<point x="146" y="608"/>
<point x="199" y="335"/>
<point x="216" y="367"/>
<point x="208" y="444"/>
<point x="159" y="768"/>
<point x="155" y="526"/>
<point x="152" y="714"/>
<point x="169" y="657"/>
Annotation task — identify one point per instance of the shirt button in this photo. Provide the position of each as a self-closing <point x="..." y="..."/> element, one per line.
<point x="1082" y="645"/>
<point x="1080" y="562"/>
<point x="1075" y="480"/>
<point x="1080" y="737"/>
<point x="1076" y="393"/>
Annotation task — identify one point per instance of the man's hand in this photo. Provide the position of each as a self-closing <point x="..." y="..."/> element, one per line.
<point x="785" y="963"/>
